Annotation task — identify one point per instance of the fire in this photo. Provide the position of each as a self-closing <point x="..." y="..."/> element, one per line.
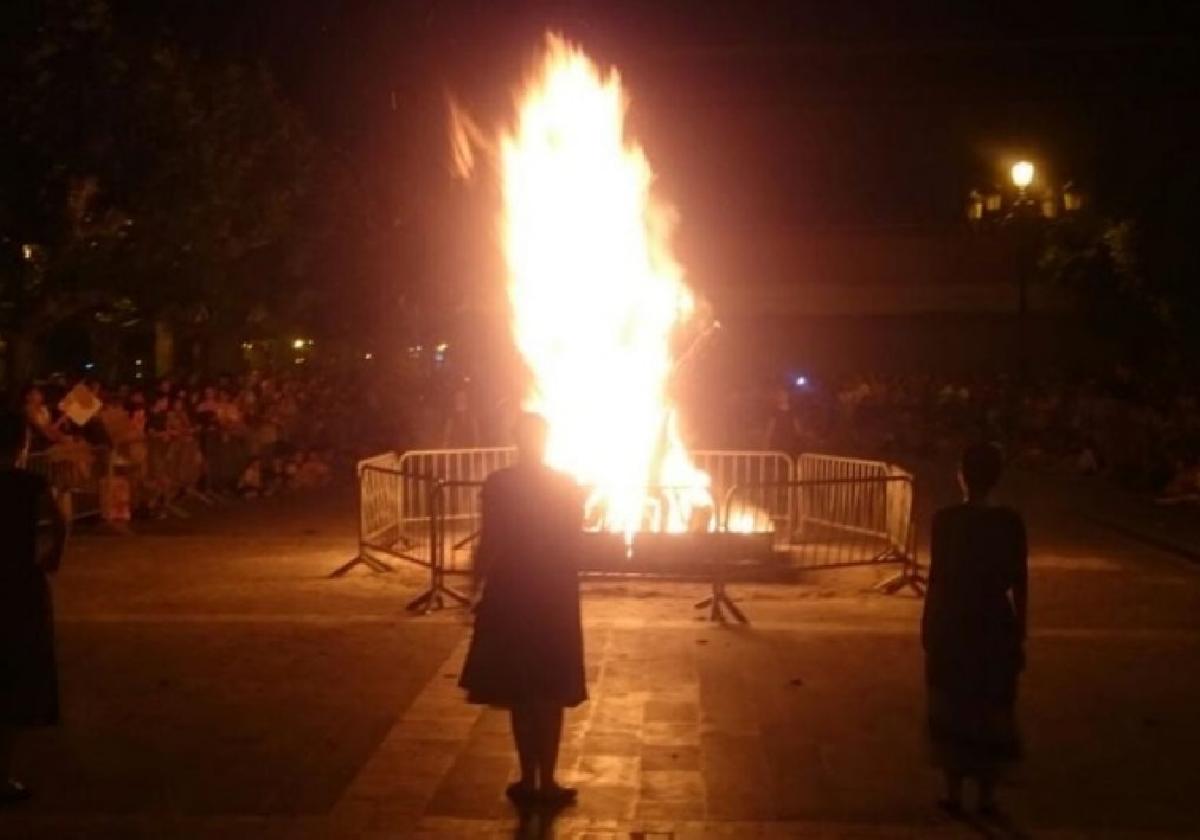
<point x="597" y="296"/>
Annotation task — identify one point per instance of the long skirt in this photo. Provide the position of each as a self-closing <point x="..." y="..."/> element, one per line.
<point x="972" y="735"/>
<point x="521" y="655"/>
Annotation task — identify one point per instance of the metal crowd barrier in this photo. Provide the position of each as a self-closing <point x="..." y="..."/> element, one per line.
<point x="447" y="465"/>
<point x="816" y="512"/>
<point x="74" y="475"/>
<point x="840" y="522"/>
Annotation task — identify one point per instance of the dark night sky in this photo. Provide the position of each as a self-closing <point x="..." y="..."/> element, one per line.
<point x="768" y="113"/>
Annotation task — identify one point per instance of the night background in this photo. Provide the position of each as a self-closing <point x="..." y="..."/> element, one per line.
<point x="775" y="129"/>
<point x="937" y="427"/>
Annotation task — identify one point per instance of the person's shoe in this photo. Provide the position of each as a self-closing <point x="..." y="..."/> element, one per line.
<point x="558" y="796"/>
<point x="521" y="793"/>
<point x="12" y="792"/>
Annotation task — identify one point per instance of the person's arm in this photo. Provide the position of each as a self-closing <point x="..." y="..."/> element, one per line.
<point x="1020" y="589"/>
<point x="48" y="510"/>
<point x="484" y="549"/>
<point x="936" y="549"/>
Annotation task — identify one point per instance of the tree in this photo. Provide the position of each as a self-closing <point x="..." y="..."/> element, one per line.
<point x="136" y="181"/>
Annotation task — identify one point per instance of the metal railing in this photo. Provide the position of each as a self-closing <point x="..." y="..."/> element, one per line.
<point x="817" y="512"/>
<point x="845" y="521"/>
<point x="75" y="473"/>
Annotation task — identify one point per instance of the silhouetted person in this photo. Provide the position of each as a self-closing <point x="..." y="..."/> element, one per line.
<point x="973" y="631"/>
<point x="783" y="432"/>
<point x="526" y="654"/>
<point x="461" y="429"/>
<point x="28" y="675"/>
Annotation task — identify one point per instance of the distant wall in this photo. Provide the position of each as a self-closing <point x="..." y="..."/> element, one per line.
<point x="747" y="272"/>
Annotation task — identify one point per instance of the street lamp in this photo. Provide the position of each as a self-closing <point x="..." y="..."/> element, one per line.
<point x="1024" y="205"/>
<point x="1022" y="174"/>
<point x="1023" y="208"/>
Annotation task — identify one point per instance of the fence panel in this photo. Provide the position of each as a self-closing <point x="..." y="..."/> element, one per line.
<point x="453" y="466"/>
<point x="732" y="468"/>
<point x="74" y="473"/>
<point x="822" y="511"/>
<point x="843" y="522"/>
<point x="383" y="527"/>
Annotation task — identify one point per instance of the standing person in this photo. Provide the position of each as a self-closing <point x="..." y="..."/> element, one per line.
<point x="526" y="654"/>
<point x="461" y="429"/>
<point x="973" y="632"/>
<point x="28" y="674"/>
<point x="782" y="432"/>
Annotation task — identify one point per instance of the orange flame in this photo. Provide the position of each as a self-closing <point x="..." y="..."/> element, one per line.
<point x="596" y="295"/>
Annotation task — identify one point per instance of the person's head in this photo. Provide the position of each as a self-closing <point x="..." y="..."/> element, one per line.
<point x="32" y="397"/>
<point x="980" y="469"/>
<point x="12" y="435"/>
<point x="530" y="433"/>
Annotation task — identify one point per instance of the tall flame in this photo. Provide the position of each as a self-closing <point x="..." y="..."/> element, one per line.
<point x="596" y="295"/>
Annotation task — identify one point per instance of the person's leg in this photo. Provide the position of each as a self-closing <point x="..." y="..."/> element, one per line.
<point x="987" y="794"/>
<point x="550" y="723"/>
<point x="952" y="804"/>
<point x="11" y="791"/>
<point x="525" y="735"/>
<point x="8" y="737"/>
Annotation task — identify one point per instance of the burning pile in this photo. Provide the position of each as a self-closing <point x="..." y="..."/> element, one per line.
<point x="598" y="299"/>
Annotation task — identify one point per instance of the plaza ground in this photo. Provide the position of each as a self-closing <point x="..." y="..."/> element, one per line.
<point x="216" y="683"/>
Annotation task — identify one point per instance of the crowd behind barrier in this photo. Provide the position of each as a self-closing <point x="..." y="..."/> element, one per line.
<point x="143" y="452"/>
<point x="148" y="448"/>
<point x="1144" y="435"/>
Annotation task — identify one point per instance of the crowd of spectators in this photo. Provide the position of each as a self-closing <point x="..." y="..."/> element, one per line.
<point x="148" y="449"/>
<point x="1144" y="435"/>
<point x="257" y="435"/>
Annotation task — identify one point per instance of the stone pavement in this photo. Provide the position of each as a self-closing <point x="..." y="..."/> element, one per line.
<point x="217" y="684"/>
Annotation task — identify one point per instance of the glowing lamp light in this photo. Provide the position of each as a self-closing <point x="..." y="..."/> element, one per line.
<point x="1022" y="174"/>
<point x="298" y="344"/>
<point x="801" y="381"/>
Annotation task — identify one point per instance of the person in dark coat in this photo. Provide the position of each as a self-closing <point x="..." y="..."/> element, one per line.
<point x="973" y="632"/>
<point x="28" y="674"/>
<point x="526" y="654"/>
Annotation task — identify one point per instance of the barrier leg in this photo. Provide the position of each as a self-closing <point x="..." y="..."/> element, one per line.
<point x="374" y="564"/>
<point x="719" y="601"/>
<point x="909" y="577"/>
<point x="362" y="558"/>
<point x="436" y="596"/>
